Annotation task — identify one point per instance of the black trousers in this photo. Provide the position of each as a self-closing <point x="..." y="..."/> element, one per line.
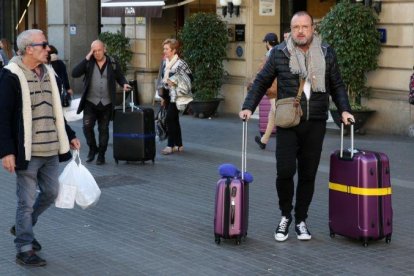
<point x="101" y="114"/>
<point x="172" y="121"/>
<point x="298" y="148"/>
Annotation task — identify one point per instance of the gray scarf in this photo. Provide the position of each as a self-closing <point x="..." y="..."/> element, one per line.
<point x="309" y="65"/>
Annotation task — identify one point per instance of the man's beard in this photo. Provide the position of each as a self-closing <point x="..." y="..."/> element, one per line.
<point x="304" y="42"/>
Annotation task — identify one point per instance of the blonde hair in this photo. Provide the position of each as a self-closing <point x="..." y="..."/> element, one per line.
<point x="174" y="44"/>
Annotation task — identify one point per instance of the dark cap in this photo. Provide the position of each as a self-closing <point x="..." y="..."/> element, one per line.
<point x="270" y="37"/>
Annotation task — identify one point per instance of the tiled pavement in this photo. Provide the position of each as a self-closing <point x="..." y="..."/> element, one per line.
<point x="158" y="219"/>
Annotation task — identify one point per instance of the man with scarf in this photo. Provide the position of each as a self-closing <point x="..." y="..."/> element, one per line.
<point x="301" y="57"/>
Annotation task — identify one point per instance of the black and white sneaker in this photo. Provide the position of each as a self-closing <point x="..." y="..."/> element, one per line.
<point x="282" y="230"/>
<point x="302" y="231"/>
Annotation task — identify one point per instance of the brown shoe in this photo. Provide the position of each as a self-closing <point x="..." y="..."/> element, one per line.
<point x="178" y="149"/>
<point x="91" y="156"/>
<point x="29" y="258"/>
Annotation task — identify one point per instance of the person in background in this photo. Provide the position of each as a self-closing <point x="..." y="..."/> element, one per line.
<point x="34" y="137"/>
<point x="6" y="51"/>
<point x="302" y="56"/>
<point x="101" y="73"/>
<point x="270" y="40"/>
<point x="60" y="69"/>
<point x="172" y="65"/>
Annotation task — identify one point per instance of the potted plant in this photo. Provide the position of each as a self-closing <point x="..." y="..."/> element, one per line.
<point x="351" y="30"/>
<point x="118" y="47"/>
<point x="204" y="38"/>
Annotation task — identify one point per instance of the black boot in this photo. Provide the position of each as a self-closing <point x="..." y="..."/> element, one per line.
<point x="101" y="159"/>
<point x="91" y="155"/>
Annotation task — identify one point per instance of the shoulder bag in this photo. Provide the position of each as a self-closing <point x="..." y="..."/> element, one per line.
<point x="65" y="97"/>
<point x="288" y="110"/>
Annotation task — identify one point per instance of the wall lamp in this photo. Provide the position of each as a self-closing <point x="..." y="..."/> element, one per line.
<point x="230" y="6"/>
<point x="375" y="4"/>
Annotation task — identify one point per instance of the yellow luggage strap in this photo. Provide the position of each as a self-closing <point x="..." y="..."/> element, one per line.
<point x="360" y="191"/>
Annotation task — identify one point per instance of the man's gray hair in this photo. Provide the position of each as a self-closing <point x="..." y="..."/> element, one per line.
<point x="25" y="38"/>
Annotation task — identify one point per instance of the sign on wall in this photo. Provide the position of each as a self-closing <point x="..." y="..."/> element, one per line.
<point x="266" y="7"/>
<point x="72" y="29"/>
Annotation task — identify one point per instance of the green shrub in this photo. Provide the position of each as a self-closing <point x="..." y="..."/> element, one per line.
<point x="351" y="30"/>
<point x="117" y="46"/>
<point x="204" y="38"/>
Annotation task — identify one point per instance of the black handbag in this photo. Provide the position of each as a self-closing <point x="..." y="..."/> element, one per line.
<point x="65" y="97"/>
<point x="160" y="124"/>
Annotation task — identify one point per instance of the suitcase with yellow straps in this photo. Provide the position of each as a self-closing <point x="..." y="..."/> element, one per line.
<point x="360" y="194"/>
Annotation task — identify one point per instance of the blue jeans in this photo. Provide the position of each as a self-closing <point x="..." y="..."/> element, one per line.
<point x="37" y="189"/>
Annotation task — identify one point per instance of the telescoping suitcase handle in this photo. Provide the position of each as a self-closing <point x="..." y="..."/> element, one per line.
<point x="341" y="153"/>
<point x="244" y="148"/>
<point x="131" y="104"/>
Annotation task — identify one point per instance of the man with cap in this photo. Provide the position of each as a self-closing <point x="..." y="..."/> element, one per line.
<point x="271" y="40"/>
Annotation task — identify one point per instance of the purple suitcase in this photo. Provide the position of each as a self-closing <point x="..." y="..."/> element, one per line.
<point x="232" y="203"/>
<point x="264" y="108"/>
<point x="360" y="194"/>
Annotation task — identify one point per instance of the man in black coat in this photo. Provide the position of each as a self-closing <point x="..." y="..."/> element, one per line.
<point x="34" y="137"/>
<point x="98" y="98"/>
<point x="301" y="56"/>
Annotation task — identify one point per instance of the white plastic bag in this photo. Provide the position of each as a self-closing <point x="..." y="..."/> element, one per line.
<point x="67" y="185"/>
<point x="70" y="112"/>
<point x="88" y="191"/>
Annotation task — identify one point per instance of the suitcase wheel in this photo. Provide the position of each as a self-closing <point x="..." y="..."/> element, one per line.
<point x="388" y="238"/>
<point x="365" y="242"/>
<point x="217" y="239"/>
<point x="331" y="233"/>
<point x="238" y="240"/>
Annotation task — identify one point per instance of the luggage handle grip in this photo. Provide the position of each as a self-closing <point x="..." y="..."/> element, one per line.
<point x="131" y="104"/>
<point x="232" y="212"/>
<point x="244" y="148"/>
<point x="341" y="153"/>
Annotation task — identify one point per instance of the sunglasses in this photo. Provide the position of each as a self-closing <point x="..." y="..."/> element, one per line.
<point x="43" y="44"/>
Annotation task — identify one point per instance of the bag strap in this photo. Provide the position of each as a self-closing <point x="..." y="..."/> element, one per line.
<point x="300" y="90"/>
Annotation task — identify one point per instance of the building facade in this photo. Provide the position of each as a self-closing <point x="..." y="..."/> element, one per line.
<point x="71" y="25"/>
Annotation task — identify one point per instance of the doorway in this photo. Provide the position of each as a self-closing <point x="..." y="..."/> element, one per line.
<point x="317" y="8"/>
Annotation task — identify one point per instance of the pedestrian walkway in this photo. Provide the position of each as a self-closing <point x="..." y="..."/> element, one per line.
<point x="158" y="219"/>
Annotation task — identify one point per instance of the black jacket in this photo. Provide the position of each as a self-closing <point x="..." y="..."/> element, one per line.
<point x="11" y="121"/>
<point x="85" y="67"/>
<point x="277" y="66"/>
<point x="60" y="69"/>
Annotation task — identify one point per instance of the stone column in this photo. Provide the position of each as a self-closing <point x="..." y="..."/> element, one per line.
<point x="72" y="26"/>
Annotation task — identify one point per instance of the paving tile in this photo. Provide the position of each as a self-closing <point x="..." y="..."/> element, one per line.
<point x="157" y="219"/>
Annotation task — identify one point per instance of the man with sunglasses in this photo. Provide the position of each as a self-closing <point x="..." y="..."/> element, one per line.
<point x="101" y="73"/>
<point x="34" y="137"/>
